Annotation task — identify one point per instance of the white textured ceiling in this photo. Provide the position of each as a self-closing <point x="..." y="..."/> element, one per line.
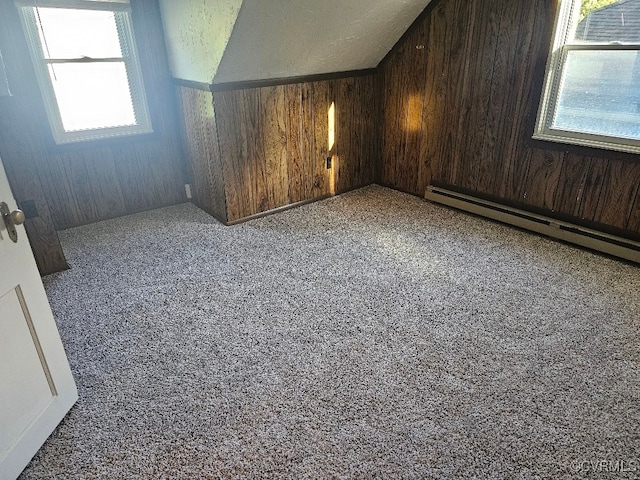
<point x="285" y="38"/>
<point x="196" y="33"/>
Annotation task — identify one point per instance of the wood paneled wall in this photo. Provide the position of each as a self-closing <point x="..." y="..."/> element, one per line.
<point x="273" y="143"/>
<point x="80" y="184"/>
<point x="200" y="138"/>
<point x="459" y="98"/>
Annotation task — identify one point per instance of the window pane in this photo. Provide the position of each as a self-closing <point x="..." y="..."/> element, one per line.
<point x="600" y="93"/>
<point x="607" y="21"/>
<point x="66" y="33"/>
<point x="92" y="95"/>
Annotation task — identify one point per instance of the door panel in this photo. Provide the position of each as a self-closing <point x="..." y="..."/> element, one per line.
<point x="36" y="385"/>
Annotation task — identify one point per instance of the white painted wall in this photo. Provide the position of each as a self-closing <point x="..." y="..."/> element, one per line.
<point x="286" y="38"/>
<point x="196" y="34"/>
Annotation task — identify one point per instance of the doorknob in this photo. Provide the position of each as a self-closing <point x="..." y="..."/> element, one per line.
<point x="11" y="219"/>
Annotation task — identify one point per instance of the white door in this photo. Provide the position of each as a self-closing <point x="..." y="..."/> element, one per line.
<point x="36" y="386"/>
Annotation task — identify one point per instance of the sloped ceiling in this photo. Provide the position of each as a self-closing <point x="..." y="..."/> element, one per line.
<point x="196" y="34"/>
<point x="285" y="38"/>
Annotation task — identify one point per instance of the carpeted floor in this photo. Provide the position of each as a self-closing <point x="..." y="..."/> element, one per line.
<point x="371" y="335"/>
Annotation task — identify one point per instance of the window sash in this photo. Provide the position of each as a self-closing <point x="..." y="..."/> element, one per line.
<point x="601" y="46"/>
<point x="132" y="65"/>
<point x="563" y="43"/>
<point x="108" y="5"/>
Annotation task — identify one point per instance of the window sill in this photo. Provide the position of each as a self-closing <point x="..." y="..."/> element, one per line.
<point x="95" y="143"/>
<point x="588" y="141"/>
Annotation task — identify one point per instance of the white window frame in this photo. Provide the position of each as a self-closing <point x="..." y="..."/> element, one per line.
<point x="122" y="10"/>
<point x="564" y="30"/>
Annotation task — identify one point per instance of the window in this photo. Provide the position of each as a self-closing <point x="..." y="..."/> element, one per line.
<point x="592" y="88"/>
<point x="87" y="67"/>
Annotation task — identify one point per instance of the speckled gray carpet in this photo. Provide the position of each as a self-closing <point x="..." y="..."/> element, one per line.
<point x="371" y="335"/>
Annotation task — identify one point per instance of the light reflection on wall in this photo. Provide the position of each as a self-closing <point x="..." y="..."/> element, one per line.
<point x="331" y="142"/>
<point x="414" y="113"/>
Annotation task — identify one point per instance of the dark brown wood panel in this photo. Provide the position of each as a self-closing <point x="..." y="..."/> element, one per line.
<point x="414" y="100"/>
<point x="274" y="129"/>
<point x="633" y="224"/>
<point x="356" y="147"/>
<point x="456" y="43"/>
<point x="476" y="88"/>
<point x="307" y="137"/>
<point x="618" y="195"/>
<point x="395" y="112"/>
<point x="251" y="124"/>
<point x="543" y="177"/>
<point x="501" y="88"/>
<point x="571" y="184"/>
<point x="233" y="151"/>
<point x="319" y="110"/>
<point x="200" y="137"/>
<point x="479" y="95"/>
<point x="274" y="142"/>
<point x="297" y="160"/>
<point x="434" y="111"/>
<point x="593" y="186"/>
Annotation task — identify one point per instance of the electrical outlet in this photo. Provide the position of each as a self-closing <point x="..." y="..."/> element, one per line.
<point x="187" y="190"/>
<point x="329" y="162"/>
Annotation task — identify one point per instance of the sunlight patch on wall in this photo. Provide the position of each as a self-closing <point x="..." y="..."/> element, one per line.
<point x="331" y="114"/>
<point x="414" y="114"/>
<point x="332" y="125"/>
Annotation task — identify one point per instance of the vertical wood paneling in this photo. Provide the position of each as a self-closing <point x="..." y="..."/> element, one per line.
<point x="296" y="154"/>
<point x="543" y="177"/>
<point x="402" y="108"/>
<point x="308" y="137"/>
<point x="319" y="113"/>
<point x="414" y="103"/>
<point x="393" y="112"/>
<point x="592" y="189"/>
<point x="255" y="161"/>
<point x="356" y="147"/>
<point x="232" y="153"/>
<point x="633" y="224"/>
<point x="274" y="142"/>
<point x="476" y="88"/>
<point x="433" y="114"/>
<point x="200" y="139"/>
<point x="501" y="88"/>
<point x="455" y="45"/>
<point x="480" y="94"/>
<point x="213" y="167"/>
<point x="618" y="194"/>
<point x="274" y="126"/>
<point x="532" y="30"/>
<point x="571" y="184"/>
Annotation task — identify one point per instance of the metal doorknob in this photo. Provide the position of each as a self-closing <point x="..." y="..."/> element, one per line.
<point x="17" y="216"/>
<point x="11" y="219"/>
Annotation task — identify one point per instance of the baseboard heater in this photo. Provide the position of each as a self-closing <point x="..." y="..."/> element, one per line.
<point x="568" y="232"/>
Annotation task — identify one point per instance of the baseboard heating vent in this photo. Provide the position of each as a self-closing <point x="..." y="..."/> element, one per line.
<point x="568" y="232"/>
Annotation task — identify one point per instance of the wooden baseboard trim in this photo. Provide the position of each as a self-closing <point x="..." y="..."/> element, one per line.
<point x="276" y="210"/>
